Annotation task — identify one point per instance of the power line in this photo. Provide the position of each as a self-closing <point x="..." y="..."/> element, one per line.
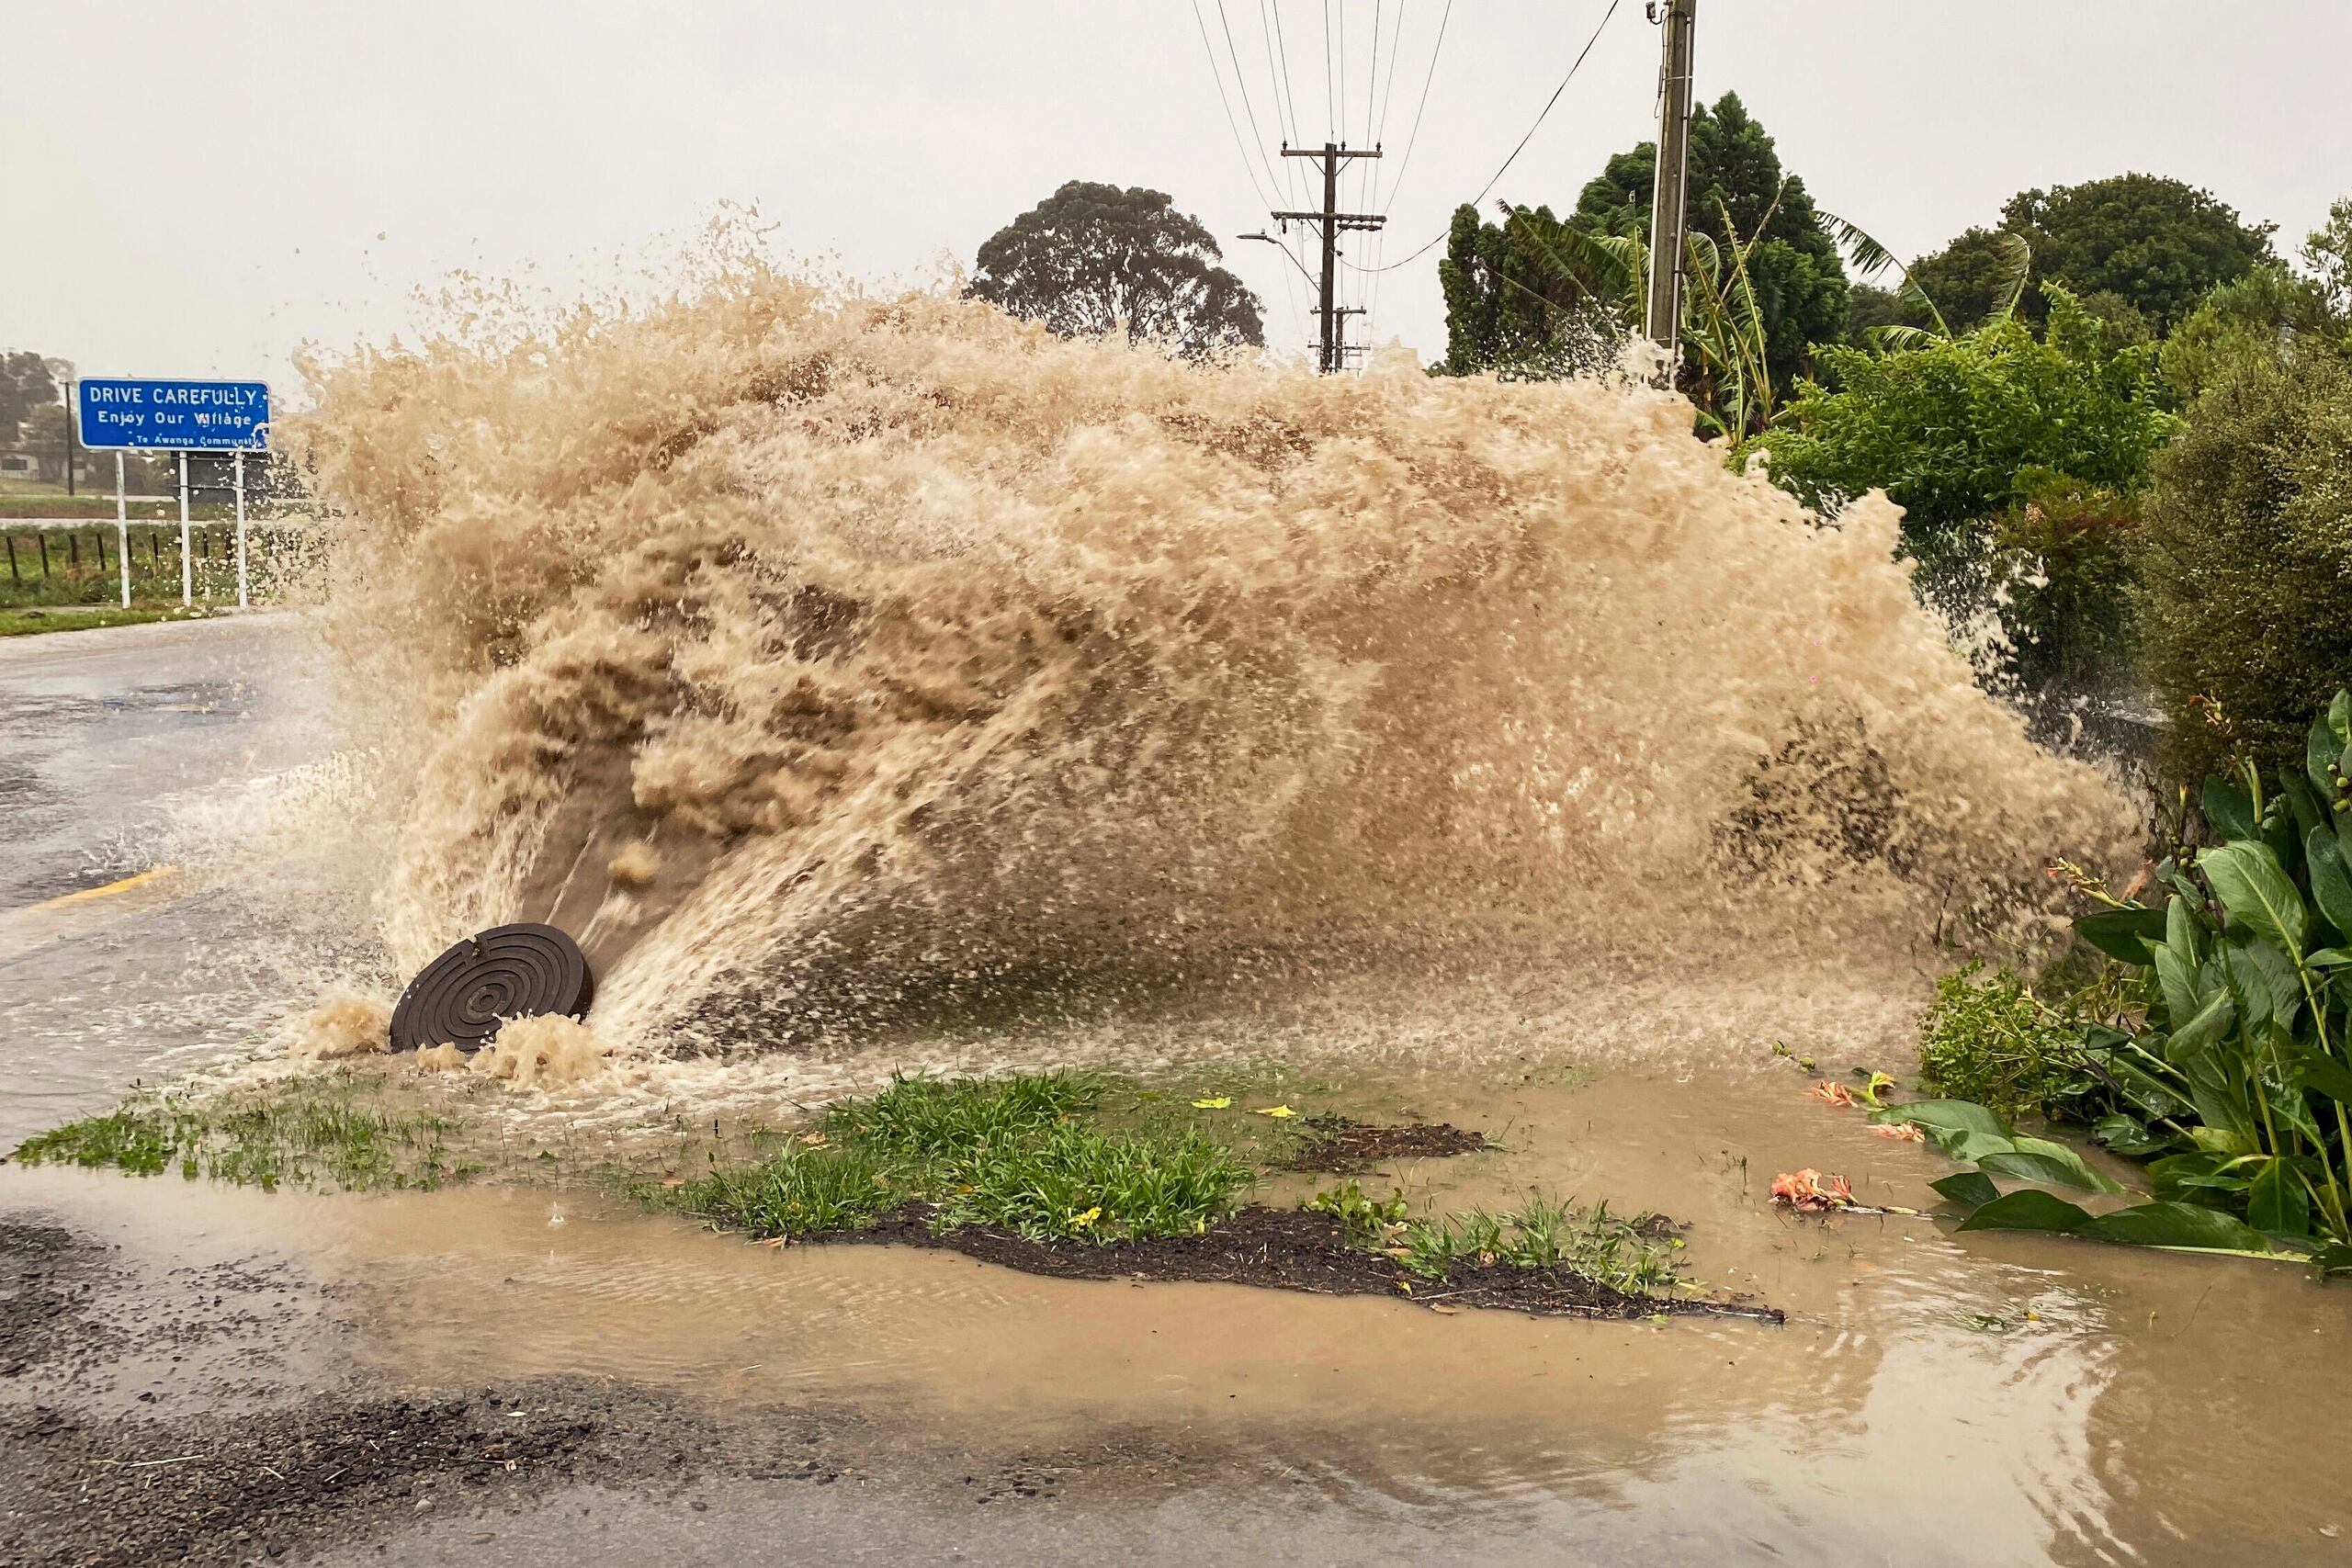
<point x="1414" y="135"/>
<point x="1523" y="141"/>
<point x="1231" y="124"/>
<point x="1331" y="125"/>
<point x="1257" y="137"/>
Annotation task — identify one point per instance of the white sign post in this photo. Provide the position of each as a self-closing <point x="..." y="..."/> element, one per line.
<point x="187" y="567"/>
<point x="243" y="603"/>
<point x="122" y="531"/>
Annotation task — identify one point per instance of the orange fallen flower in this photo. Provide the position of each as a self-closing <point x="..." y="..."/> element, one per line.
<point x="1812" y="1192"/>
<point x="1832" y="1093"/>
<point x="1906" y="1131"/>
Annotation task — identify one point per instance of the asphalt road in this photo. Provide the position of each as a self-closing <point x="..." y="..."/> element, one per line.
<point x="121" y="750"/>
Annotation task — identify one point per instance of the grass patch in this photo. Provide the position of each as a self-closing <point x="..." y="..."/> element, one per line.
<point x="1023" y="1154"/>
<point x="19" y="622"/>
<point x="330" y="1133"/>
<point x="1635" y="1256"/>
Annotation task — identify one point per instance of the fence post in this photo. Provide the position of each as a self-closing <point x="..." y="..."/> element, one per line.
<point x="12" y="559"/>
<point x="43" y="534"/>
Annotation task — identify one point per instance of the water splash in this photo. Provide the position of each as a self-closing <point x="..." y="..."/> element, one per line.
<point x="813" y="654"/>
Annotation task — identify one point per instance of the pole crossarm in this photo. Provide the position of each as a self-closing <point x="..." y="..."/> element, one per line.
<point x="1332" y="223"/>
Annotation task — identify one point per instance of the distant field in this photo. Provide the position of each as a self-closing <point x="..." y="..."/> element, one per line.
<point x="21" y="506"/>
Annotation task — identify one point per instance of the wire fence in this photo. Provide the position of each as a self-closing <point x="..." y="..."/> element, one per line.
<point x="81" y="562"/>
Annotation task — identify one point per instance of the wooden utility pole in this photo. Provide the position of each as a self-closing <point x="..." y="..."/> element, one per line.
<point x="1662" y="321"/>
<point x="1333" y="222"/>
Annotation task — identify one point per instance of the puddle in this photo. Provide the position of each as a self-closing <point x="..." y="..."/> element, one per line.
<point x="1910" y="1410"/>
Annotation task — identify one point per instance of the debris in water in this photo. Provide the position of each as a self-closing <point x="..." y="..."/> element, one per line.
<point x="1832" y="1093"/>
<point x="1907" y="1130"/>
<point x="1809" y="1191"/>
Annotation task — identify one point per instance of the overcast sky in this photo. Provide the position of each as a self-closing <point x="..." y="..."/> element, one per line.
<point x="194" y="189"/>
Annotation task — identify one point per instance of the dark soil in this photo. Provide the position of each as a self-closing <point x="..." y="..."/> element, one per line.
<point x="46" y="1277"/>
<point x="1295" y="1249"/>
<point x="1343" y="1146"/>
<point x="101" y="1492"/>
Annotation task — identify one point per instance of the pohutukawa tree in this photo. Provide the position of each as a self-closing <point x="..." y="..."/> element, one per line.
<point x="1093" y="259"/>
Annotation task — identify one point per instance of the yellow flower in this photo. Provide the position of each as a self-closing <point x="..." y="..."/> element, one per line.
<point x="1080" y="1221"/>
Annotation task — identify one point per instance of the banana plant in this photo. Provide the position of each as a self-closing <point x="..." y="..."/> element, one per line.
<point x="1871" y="258"/>
<point x="1722" y="321"/>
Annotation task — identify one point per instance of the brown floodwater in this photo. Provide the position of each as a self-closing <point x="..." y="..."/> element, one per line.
<point x="1932" y="1397"/>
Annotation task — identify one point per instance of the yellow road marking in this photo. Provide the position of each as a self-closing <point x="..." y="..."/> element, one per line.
<point x="154" y="873"/>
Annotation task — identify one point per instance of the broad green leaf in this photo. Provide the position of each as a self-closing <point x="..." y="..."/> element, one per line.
<point x="2319" y="753"/>
<point x="2123" y="933"/>
<point x="2175" y="1225"/>
<point x="2182" y="933"/>
<point x="2306" y="810"/>
<point x="1970" y="1148"/>
<point x="2128" y="1135"/>
<point x="2205" y="1026"/>
<point x="2020" y="1165"/>
<point x="2178" y="978"/>
<point x="2229" y="808"/>
<point x="2277" y="1201"/>
<point x="2256" y="891"/>
<point x="2148" y="1091"/>
<point x="2027" y="1209"/>
<point x="2331" y="878"/>
<point x="2248" y="978"/>
<point x="2333" y="1260"/>
<point x="2319" y="1070"/>
<point x="1967" y="1187"/>
<point x="2175" y="1176"/>
<point x="2328" y="957"/>
<point x="2226" y="1141"/>
<point x="1944" y="1116"/>
<point x="2084" y="1176"/>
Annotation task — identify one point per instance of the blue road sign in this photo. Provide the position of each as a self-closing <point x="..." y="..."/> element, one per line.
<point x="175" y="416"/>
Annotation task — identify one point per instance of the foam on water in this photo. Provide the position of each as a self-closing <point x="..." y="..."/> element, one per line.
<point x="814" y="656"/>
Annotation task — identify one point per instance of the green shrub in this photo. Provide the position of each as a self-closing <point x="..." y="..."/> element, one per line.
<point x="1988" y="1039"/>
<point x="2018" y="462"/>
<point x="2247" y="588"/>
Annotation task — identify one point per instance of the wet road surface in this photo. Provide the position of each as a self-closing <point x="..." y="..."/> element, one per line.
<point x="124" y="752"/>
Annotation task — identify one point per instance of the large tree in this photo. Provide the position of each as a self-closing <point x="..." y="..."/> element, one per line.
<point x="1505" y="308"/>
<point x="1504" y="303"/>
<point x="1092" y="259"/>
<point x="1735" y="172"/>
<point x="26" y="384"/>
<point x="2134" y="246"/>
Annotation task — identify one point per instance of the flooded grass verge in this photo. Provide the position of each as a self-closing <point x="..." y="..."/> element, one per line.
<point x="1072" y="1174"/>
<point x="340" y="1130"/>
<point x="1018" y="1171"/>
